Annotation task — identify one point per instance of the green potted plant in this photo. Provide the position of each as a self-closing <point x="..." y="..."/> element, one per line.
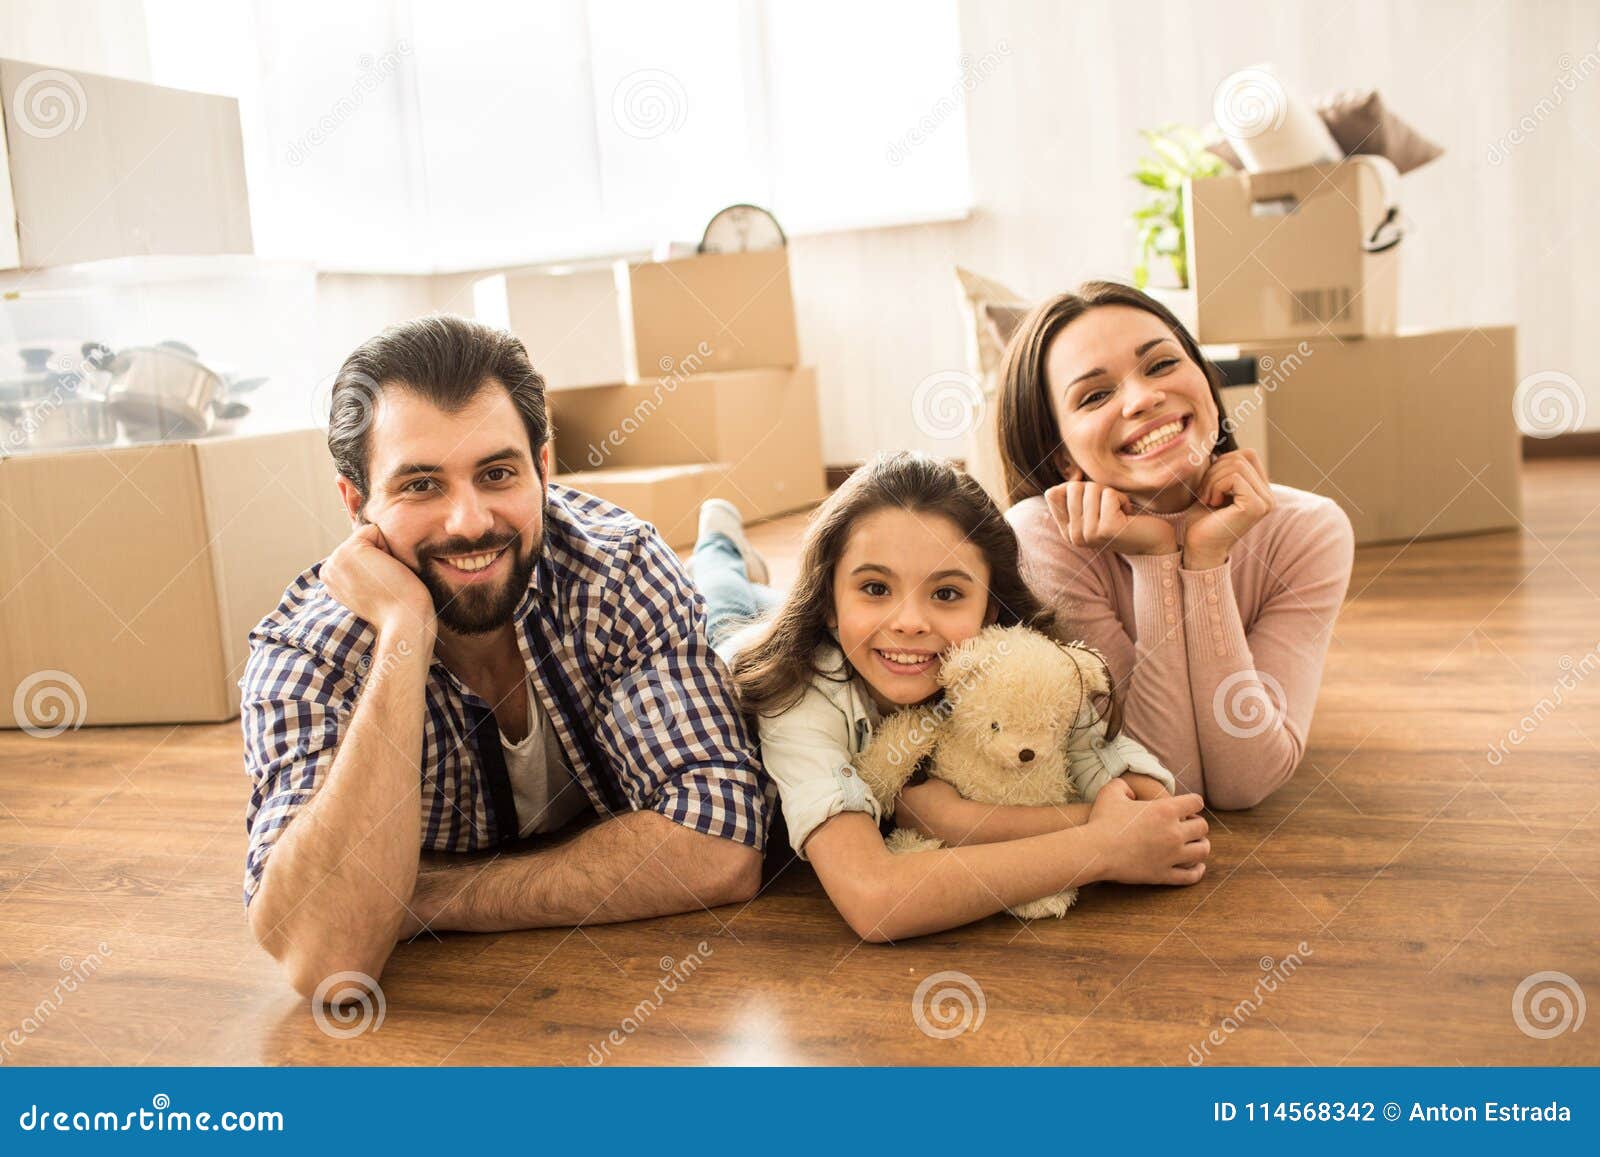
<point x="1178" y="153"/>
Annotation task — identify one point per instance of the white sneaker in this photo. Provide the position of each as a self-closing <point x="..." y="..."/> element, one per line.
<point x="719" y="516"/>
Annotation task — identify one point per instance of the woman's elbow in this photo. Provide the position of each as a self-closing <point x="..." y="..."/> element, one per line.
<point x="1223" y="794"/>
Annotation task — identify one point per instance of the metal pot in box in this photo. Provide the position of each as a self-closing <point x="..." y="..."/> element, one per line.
<point x="167" y="391"/>
<point x="56" y="410"/>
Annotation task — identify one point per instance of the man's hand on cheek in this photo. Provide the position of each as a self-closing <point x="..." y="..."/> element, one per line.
<point x="365" y="576"/>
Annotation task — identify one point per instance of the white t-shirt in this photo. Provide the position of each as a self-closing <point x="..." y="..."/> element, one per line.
<point x="548" y="796"/>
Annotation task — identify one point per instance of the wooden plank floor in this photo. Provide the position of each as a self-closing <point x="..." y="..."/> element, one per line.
<point x="1425" y="882"/>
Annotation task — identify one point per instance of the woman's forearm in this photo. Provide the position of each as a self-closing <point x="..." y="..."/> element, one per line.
<point x="1156" y="695"/>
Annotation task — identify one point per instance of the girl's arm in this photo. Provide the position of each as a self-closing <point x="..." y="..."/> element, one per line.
<point x="886" y="897"/>
<point x="1152" y="673"/>
<point x="939" y="811"/>
<point x="1253" y="693"/>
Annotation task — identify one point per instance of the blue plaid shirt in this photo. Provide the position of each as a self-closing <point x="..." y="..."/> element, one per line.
<point x="614" y="635"/>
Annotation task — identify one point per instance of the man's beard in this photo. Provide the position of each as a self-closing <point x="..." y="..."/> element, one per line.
<point x="478" y="608"/>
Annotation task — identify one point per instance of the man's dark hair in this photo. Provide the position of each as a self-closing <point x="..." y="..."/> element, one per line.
<point x="445" y="359"/>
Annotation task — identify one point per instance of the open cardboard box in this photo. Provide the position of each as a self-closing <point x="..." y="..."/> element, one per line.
<point x="1412" y="434"/>
<point x="130" y="577"/>
<point x="739" y="305"/>
<point x="93" y="167"/>
<point x="757" y="428"/>
<point x="1288" y="254"/>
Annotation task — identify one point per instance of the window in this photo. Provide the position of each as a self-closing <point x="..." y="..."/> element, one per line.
<point x="417" y="137"/>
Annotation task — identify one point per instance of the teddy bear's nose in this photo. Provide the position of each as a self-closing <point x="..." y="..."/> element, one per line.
<point x="1026" y="755"/>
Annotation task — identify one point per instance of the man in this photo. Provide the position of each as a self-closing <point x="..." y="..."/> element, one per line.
<point x="487" y="658"/>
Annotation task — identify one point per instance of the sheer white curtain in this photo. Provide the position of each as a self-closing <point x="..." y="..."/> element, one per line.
<point x="413" y="136"/>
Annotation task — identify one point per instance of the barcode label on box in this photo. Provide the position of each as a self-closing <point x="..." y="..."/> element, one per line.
<point x="1320" y="306"/>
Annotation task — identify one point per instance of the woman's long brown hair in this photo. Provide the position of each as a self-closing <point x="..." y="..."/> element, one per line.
<point x="1031" y="450"/>
<point x="773" y="671"/>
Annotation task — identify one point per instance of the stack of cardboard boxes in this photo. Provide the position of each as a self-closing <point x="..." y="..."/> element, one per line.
<point x="715" y="403"/>
<point x="130" y="575"/>
<point x="1410" y="431"/>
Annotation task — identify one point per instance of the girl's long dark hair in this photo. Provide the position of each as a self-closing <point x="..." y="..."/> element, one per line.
<point x="773" y="671"/>
<point x="1031" y="450"/>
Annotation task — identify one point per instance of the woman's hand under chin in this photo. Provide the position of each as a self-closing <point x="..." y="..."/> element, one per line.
<point x="1232" y="497"/>
<point x="1095" y="516"/>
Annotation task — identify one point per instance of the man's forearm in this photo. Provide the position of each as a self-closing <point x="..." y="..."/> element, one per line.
<point x="629" y="868"/>
<point x="335" y="886"/>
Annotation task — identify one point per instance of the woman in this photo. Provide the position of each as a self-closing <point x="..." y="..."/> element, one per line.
<point x="1211" y="592"/>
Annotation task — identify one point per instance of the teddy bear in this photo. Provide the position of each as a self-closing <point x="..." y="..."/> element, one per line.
<point x="1017" y="724"/>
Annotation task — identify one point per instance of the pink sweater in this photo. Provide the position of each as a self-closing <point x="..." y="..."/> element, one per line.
<point x="1218" y="669"/>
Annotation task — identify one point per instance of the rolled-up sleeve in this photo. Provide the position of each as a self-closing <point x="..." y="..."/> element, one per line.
<point x="293" y="711"/>
<point x="669" y="723"/>
<point x="1094" y="761"/>
<point x="806" y="751"/>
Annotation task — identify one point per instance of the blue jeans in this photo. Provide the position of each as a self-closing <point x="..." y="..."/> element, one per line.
<point x="732" y="600"/>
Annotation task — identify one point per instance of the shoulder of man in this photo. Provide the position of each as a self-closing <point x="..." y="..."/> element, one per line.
<point x="597" y="543"/>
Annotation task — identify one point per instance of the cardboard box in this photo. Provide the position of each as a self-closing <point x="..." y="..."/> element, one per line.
<point x="1284" y="255"/>
<point x="667" y="497"/>
<point x="130" y="577"/>
<point x="1412" y="434"/>
<point x="95" y="168"/>
<point x="760" y="426"/>
<point x="568" y="321"/>
<point x="720" y="311"/>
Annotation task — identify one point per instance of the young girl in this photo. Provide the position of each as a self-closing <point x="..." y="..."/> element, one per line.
<point x="908" y="558"/>
<point x="1211" y="592"/>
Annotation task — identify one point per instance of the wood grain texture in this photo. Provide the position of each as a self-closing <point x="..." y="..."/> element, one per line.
<point x="1425" y="882"/>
